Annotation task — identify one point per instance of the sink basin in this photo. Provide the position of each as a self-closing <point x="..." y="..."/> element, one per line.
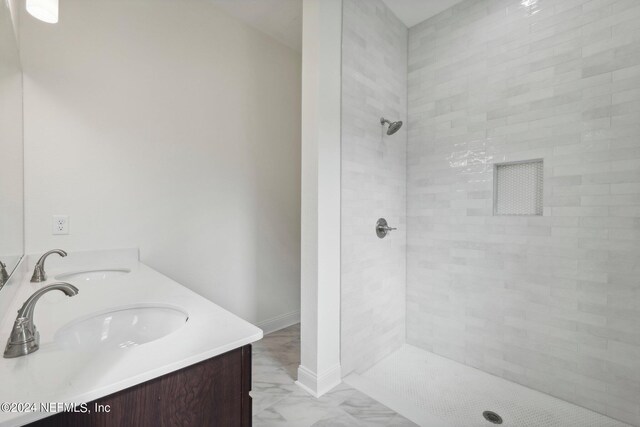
<point x="121" y="327"/>
<point x="93" y="275"/>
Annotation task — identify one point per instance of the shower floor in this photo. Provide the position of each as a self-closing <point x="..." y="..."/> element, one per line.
<point x="434" y="391"/>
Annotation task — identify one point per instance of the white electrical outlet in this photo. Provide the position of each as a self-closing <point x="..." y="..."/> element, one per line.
<point x="61" y="224"/>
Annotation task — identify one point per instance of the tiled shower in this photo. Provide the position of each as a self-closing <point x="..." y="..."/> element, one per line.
<point x="534" y="101"/>
<point x="374" y="170"/>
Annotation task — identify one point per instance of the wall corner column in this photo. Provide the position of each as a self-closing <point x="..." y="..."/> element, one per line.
<point x="319" y="369"/>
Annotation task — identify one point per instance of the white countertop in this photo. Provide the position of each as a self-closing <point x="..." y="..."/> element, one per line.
<point x="53" y="374"/>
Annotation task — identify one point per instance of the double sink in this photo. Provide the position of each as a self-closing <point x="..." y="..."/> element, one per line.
<point x="112" y="329"/>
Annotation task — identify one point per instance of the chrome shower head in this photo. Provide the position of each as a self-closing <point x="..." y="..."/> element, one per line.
<point x="393" y="126"/>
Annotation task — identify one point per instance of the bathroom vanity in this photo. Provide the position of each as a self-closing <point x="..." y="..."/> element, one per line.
<point x="132" y="347"/>
<point x="214" y="392"/>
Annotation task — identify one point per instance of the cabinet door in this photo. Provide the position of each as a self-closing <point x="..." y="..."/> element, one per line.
<point x="210" y="393"/>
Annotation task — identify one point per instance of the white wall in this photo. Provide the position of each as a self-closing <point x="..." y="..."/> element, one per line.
<point x="551" y="302"/>
<point x="319" y="369"/>
<point x="175" y="128"/>
<point x="374" y="84"/>
<point x="14" y="10"/>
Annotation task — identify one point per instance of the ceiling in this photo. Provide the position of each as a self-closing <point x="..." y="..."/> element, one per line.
<point x="282" y="19"/>
<point x="412" y="12"/>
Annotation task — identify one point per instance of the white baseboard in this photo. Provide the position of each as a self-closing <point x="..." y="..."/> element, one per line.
<point x="317" y="385"/>
<point x="279" y="322"/>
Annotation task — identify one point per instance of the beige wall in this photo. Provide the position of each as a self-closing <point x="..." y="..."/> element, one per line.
<point x="11" y="149"/>
<point x="174" y="129"/>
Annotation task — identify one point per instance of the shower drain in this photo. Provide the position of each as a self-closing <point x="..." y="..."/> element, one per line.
<point x="492" y="417"/>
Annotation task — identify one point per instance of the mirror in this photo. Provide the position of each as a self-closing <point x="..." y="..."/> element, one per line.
<point x="11" y="149"/>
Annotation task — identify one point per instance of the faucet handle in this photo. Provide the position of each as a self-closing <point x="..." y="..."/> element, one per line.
<point x="382" y="228"/>
<point x="4" y="274"/>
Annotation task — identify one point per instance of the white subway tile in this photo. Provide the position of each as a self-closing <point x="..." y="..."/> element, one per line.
<point x="561" y="85"/>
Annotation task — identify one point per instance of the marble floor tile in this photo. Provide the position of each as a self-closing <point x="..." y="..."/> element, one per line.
<point x="278" y="402"/>
<point x="368" y="410"/>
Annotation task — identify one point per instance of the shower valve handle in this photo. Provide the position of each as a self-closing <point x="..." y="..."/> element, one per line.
<point x="382" y="228"/>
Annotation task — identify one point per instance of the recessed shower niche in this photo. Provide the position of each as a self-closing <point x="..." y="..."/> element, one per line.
<point x="518" y="188"/>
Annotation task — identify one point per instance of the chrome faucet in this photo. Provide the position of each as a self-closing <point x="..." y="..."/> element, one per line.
<point x="24" y="338"/>
<point x="39" y="274"/>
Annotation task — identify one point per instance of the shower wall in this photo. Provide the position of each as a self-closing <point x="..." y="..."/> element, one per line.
<point x="374" y="84"/>
<point x="552" y="301"/>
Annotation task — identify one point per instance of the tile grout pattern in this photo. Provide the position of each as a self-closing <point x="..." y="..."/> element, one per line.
<point x="551" y="302"/>
<point x="373" y="271"/>
<point x="278" y="402"/>
<point x="435" y="391"/>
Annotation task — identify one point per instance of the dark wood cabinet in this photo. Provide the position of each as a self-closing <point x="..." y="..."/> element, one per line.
<point x="214" y="392"/>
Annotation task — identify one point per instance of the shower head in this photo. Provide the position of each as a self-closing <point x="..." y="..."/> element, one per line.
<point x="393" y="126"/>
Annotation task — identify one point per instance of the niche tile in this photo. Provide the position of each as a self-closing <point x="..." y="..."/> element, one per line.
<point x="518" y="188"/>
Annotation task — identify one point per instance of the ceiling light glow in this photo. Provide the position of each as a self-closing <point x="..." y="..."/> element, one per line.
<point x="44" y="10"/>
